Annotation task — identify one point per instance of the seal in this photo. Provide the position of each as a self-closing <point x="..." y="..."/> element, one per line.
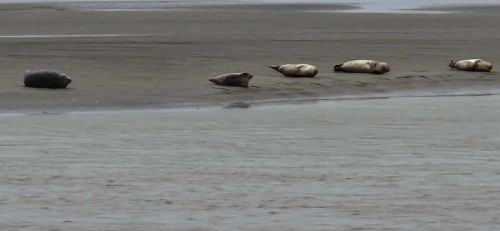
<point x="296" y="70"/>
<point x="232" y="79"/>
<point x="363" y="66"/>
<point x="46" y="79"/>
<point x="478" y="65"/>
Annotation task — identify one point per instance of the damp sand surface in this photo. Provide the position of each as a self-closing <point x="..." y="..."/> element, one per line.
<point x="108" y="154"/>
<point x="385" y="164"/>
<point x="152" y="59"/>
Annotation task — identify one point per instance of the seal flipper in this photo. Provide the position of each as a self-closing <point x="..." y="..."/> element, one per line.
<point x="452" y="64"/>
<point x="337" y="68"/>
<point x="475" y="65"/>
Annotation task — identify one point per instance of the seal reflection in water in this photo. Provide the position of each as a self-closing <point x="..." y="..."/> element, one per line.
<point x="363" y="66"/>
<point x="46" y="79"/>
<point x="296" y="70"/>
<point x="472" y="65"/>
<point x="232" y="79"/>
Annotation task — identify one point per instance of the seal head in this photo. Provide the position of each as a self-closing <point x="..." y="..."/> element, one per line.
<point x="380" y="68"/>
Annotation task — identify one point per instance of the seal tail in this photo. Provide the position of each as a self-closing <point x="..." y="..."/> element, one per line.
<point x="212" y="80"/>
<point x="337" y="68"/>
<point x="276" y="68"/>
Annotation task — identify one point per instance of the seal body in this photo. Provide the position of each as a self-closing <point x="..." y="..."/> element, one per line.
<point x="46" y="79"/>
<point x="363" y="66"/>
<point x="472" y="65"/>
<point x="232" y="79"/>
<point x="296" y="70"/>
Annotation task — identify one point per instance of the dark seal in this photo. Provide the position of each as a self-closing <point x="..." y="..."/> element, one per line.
<point x="232" y="79"/>
<point x="46" y="79"/>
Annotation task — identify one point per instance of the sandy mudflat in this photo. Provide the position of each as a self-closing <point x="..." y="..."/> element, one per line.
<point x="408" y="164"/>
<point x="164" y="58"/>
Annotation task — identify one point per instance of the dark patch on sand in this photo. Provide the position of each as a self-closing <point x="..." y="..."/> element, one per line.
<point x="240" y="105"/>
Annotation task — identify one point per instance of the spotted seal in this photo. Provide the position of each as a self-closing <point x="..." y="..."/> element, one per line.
<point x="472" y="65"/>
<point x="363" y="66"/>
<point x="296" y="70"/>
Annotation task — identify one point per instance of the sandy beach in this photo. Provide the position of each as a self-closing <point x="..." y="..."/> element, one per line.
<point x="140" y="140"/>
<point x="159" y="59"/>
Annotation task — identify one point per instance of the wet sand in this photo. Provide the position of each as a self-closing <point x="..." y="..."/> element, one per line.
<point x="389" y="164"/>
<point x="163" y="58"/>
<point x="402" y="163"/>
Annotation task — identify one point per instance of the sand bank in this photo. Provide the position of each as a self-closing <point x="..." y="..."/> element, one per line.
<point x="170" y="66"/>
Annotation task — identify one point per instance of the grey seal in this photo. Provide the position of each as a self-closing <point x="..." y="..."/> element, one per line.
<point x="478" y="65"/>
<point x="46" y="79"/>
<point x="296" y="70"/>
<point x="363" y="66"/>
<point x="232" y="79"/>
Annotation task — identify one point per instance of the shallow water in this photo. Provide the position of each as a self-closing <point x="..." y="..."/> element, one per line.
<point x="73" y="36"/>
<point x="385" y="164"/>
<point x="366" y="5"/>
